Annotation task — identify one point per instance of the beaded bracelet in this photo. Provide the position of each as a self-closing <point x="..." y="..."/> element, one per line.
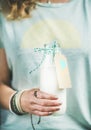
<point x="10" y="102"/>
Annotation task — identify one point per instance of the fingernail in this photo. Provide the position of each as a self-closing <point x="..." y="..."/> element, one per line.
<point x="56" y="96"/>
<point x="49" y="113"/>
<point x="57" y="109"/>
<point x="59" y="103"/>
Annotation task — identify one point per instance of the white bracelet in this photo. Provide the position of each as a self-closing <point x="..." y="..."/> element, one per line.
<point x="17" y="100"/>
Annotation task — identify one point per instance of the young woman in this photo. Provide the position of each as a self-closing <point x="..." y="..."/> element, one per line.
<point x="26" y="27"/>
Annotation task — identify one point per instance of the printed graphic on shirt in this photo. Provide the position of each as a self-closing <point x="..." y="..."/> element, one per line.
<point x="45" y="32"/>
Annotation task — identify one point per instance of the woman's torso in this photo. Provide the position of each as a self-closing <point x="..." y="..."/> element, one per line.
<point x="70" y="25"/>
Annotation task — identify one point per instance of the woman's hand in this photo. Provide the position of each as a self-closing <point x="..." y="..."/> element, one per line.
<point x="42" y="105"/>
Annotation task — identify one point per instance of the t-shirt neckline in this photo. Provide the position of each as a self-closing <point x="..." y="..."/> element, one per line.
<point x="53" y="5"/>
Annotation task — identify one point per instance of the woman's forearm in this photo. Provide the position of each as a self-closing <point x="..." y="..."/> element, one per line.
<point x="5" y="94"/>
<point x="5" y="80"/>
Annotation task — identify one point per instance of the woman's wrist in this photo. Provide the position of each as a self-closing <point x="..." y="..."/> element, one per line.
<point x="15" y="104"/>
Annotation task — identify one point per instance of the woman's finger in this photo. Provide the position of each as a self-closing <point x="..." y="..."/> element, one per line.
<point x="47" y="102"/>
<point x="44" y="95"/>
<point x="39" y="113"/>
<point x="44" y="109"/>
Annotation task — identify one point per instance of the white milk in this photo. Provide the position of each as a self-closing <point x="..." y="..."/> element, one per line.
<point x="49" y="84"/>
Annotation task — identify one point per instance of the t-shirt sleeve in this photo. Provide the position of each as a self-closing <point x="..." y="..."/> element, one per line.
<point x="1" y="44"/>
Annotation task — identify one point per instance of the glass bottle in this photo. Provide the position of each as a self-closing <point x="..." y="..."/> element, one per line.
<point x="48" y="79"/>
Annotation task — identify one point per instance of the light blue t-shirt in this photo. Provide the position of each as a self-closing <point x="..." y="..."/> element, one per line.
<point x="70" y="25"/>
<point x="1" y="45"/>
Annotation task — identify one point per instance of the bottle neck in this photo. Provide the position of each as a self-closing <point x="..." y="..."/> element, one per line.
<point x="50" y="52"/>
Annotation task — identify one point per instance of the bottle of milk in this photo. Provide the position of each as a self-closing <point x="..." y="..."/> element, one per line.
<point x="49" y="83"/>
